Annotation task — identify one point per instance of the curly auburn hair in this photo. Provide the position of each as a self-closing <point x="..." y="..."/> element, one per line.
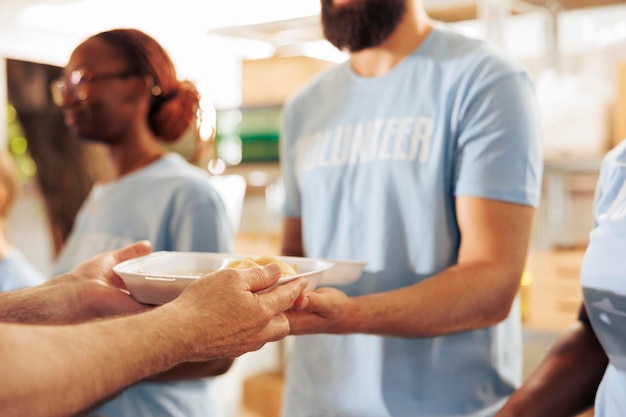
<point x="174" y="107"/>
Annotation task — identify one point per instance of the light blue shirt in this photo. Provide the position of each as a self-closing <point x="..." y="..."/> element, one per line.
<point x="603" y="278"/>
<point x="171" y="204"/>
<point x="372" y="167"/>
<point x="17" y="272"/>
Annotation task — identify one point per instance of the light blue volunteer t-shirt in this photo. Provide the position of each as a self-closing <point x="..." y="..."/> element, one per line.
<point x="372" y="166"/>
<point x="170" y="203"/>
<point x="17" y="272"/>
<point x="603" y="278"/>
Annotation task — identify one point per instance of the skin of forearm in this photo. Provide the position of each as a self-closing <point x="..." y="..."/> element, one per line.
<point x="476" y="292"/>
<point x="30" y="305"/>
<point x="566" y="381"/>
<point x="61" y="370"/>
<point x="66" y="299"/>
<point x="463" y="297"/>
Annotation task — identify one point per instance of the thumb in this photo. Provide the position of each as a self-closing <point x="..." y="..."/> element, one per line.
<point x="264" y="277"/>
<point x="134" y="250"/>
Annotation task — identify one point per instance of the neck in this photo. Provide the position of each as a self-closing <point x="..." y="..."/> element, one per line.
<point x="410" y="33"/>
<point x="123" y="161"/>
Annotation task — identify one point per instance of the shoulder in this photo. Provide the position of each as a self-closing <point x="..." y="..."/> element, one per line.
<point x="471" y="64"/>
<point x="615" y="158"/>
<point x="175" y="175"/>
<point x="317" y="86"/>
<point x="617" y="154"/>
<point x="451" y="47"/>
<point x="613" y="170"/>
<point x="174" y="168"/>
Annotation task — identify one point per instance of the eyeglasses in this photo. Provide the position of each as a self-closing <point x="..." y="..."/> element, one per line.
<point x="76" y="84"/>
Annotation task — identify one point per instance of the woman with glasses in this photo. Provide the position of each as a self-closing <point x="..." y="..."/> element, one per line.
<point x="120" y="89"/>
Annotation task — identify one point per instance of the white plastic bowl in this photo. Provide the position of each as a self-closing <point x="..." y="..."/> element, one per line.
<point x="342" y="272"/>
<point x="160" y="277"/>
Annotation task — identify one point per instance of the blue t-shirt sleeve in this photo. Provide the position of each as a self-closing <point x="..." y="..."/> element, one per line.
<point x="597" y="195"/>
<point x="201" y="225"/>
<point x="291" y="207"/>
<point x="610" y="187"/>
<point x="498" y="154"/>
<point x="17" y="272"/>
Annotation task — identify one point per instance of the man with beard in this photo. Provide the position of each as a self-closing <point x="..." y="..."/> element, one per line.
<point x="420" y="155"/>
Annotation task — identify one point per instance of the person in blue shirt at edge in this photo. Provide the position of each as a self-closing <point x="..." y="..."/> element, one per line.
<point x="15" y="270"/>
<point x="120" y="89"/>
<point x="420" y="154"/>
<point x="565" y="383"/>
<point x="587" y="365"/>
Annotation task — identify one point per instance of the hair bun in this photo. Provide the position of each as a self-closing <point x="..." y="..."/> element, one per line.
<point x="176" y="113"/>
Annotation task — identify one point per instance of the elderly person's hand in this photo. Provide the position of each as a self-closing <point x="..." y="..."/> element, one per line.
<point x="101" y="292"/>
<point x="219" y="316"/>
<point x="225" y="315"/>
<point x="91" y="290"/>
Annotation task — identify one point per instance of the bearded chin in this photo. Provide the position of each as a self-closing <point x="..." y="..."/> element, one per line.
<point x="362" y="24"/>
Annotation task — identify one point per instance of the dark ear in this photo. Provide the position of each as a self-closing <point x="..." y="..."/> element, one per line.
<point x="153" y="87"/>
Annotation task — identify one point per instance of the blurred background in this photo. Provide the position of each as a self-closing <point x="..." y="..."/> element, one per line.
<point x="246" y="58"/>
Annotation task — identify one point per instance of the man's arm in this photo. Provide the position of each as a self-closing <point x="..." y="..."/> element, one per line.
<point x="92" y="290"/>
<point x="565" y="382"/>
<point x="60" y="370"/>
<point x="478" y="291"/>
<point x="89" y="291"/>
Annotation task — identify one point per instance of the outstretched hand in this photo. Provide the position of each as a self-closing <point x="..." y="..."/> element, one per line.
<point x="320" y="311"/>
<point x="93" y="290"/>
<point x="226" y="316"/>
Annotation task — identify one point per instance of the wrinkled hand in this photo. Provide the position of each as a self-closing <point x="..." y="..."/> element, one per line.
<point x="320" y="311"/>
<point x="93" y="290"/>
<point x="225" y="316"/>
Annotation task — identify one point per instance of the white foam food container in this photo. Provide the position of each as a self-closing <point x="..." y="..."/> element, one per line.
<point x="343" y="272"/>
<point x="160" y="277"/>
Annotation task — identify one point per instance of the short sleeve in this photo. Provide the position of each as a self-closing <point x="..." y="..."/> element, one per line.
<point x="291" y="206"/>
<point x="498" y="153"/>
<point x="200" y="224"/>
